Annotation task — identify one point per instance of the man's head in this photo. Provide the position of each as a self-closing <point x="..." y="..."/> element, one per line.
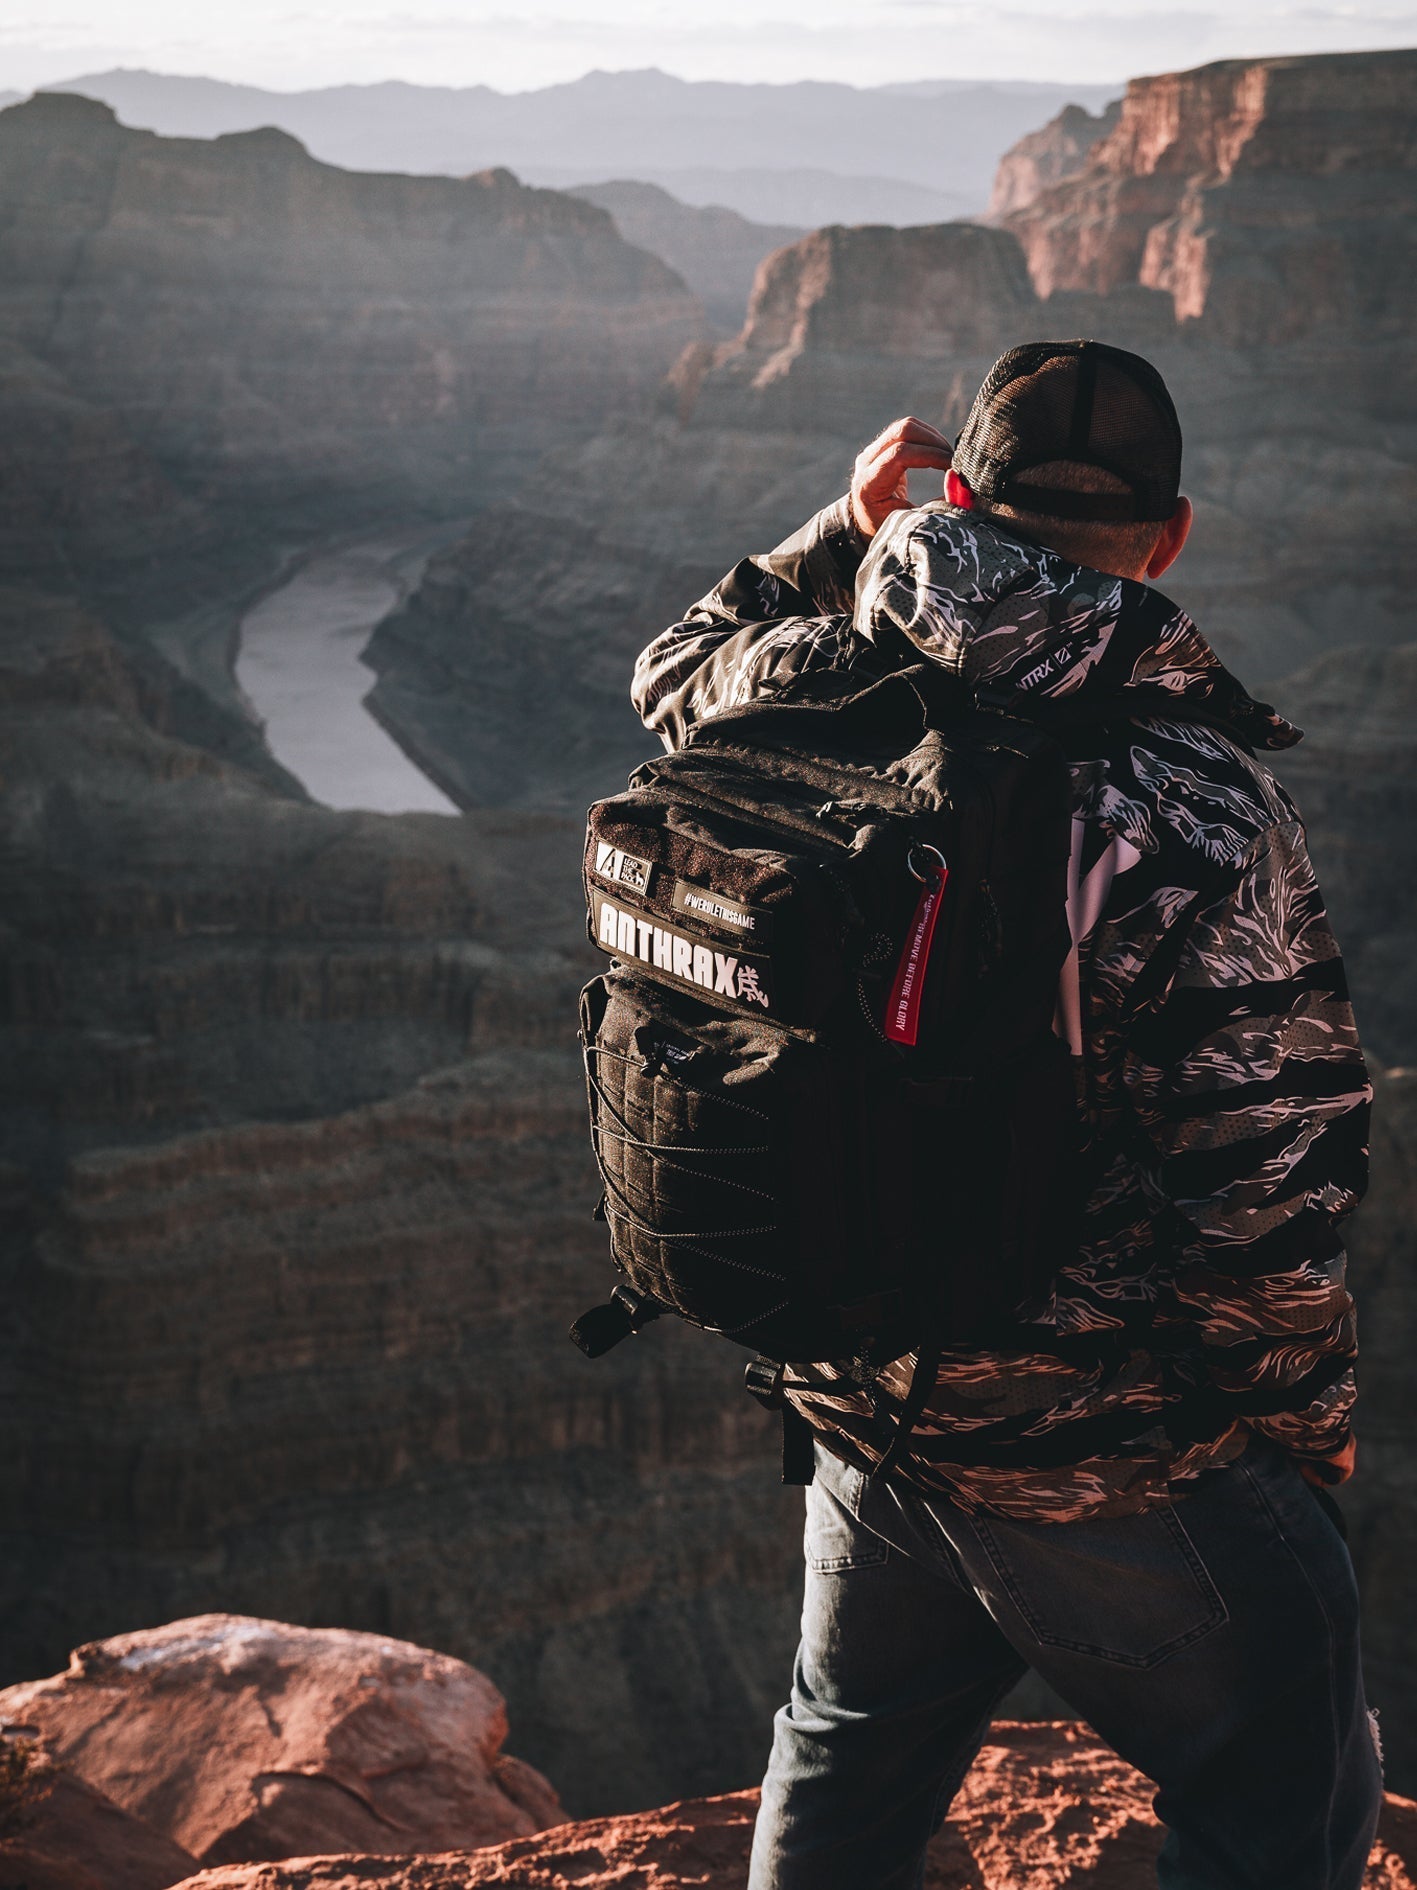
<point x="1076" y="445"/>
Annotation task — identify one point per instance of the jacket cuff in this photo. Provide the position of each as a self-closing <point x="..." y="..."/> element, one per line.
<point x="831" y="550"/>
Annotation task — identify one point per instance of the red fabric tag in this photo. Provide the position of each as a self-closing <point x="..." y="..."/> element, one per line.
<point x="903" y="1008"/>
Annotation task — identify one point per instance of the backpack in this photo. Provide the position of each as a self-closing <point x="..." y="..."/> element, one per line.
<point x="831" y="1116"/>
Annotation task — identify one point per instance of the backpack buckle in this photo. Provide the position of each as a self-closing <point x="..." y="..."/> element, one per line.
<point x="763" y="1380"/>
<point x="604" y="1326"/>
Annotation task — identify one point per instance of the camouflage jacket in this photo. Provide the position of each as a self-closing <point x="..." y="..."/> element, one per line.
<point x="1226" y="1097"/>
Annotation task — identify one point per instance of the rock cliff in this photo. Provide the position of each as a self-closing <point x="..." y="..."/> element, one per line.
<point x="715" y="250"/>
<point x="506" y="674"/>
<point x="296" y="1201"/>
<point x="261" y="321"/>
<point x="213" y="350"/>
<point x="1271" y="197"/>
<point x="1045" y="157"/>
<point x="1045" y="1807"/>
<point x="241" y="1740"/>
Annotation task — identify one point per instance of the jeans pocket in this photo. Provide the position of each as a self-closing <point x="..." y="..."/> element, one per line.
<point x="1128" y="1589"/>
<point x="834" y="1541"/>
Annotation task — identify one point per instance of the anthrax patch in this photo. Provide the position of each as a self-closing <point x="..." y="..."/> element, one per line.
<point x="745" y="978"/>
<point x="613" y="863"/>
<point x="717" y="909"/>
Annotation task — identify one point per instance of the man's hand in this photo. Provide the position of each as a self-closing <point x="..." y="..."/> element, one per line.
<point x="1332" y="1469"/>
<point x="878" y="483"/>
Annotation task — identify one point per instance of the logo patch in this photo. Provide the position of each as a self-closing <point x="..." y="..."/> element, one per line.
<point x="737" y="975"/>
<point x="718" y="909"/>
<point x="614" y="864"/>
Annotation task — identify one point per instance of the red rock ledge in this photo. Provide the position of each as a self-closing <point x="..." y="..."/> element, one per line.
<point x="1047" y="1807"/>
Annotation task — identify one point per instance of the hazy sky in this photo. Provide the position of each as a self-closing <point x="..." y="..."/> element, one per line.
<point x="514" y="46"/>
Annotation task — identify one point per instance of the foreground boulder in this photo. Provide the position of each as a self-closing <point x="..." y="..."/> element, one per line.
<point x="240" y="1740"/>
<point x="1046" y="1807"/>
<point x="57" y="1833"/>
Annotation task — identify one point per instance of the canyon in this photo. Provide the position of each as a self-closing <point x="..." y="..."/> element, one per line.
<point x="293" y="1173"/>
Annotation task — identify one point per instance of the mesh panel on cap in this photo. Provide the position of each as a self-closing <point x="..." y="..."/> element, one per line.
<point x="1081" y="401"/>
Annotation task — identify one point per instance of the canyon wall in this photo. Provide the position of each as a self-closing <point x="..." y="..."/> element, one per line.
<point x="213" y="351"/>
<point x="295" y="1194"/>
<point x="1044" y="157"/>
<point x="1269" y="198"/>
<point x="263" y="322"/>
<point x="294" y="1185"/>
<point x="715" y="250"/>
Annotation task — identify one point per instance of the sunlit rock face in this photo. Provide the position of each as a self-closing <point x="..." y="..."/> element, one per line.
<point x="244" y="1740"/>
<point x="1272" y="197"/>
<point x="1044" y="1807"/>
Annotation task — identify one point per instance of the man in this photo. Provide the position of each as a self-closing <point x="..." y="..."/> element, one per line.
<point x="1122" y="1500"/>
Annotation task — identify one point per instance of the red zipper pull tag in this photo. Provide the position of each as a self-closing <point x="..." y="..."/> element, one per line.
<point x="903" y="1007"/>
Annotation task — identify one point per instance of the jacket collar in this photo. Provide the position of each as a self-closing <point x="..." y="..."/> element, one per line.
<point x="996" y="609"/>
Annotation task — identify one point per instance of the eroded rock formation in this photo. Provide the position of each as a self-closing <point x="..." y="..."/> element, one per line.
<point x="1046" y="1807"/>
<point x="1272" y="197"/>
<point x="239" y="1739"/>
<point x="715" y="250"/>
<point x="212" y="351"/>
<point x="261" y="321"/>
<point x="1047" y="156"/>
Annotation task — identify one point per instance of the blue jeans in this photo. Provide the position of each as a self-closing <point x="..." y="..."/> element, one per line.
<point x="1213" y="1644"/>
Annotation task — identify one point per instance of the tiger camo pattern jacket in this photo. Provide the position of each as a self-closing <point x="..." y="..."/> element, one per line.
<point x="1226" y="1100"/>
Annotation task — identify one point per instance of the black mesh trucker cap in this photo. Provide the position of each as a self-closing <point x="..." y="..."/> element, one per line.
<point x="1073" y="400"/>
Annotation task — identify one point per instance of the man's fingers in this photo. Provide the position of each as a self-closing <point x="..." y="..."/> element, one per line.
<point x="878" y="480"/>
<point x="910" y="427"/>
<point x="909" y="431"/>
<point x="886" y="470"/>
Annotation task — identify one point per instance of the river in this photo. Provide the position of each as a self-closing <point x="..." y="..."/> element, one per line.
<point x="299" y="666"/>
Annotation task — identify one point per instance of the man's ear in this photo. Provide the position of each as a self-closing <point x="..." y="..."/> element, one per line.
<point x="959" y="491"/>
<point x="1174" y="534"/>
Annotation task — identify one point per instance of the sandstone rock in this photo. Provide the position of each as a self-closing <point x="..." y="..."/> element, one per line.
<point x="1056" y="151"/>
<point x="715" y="250"/>
<point x="75" y="1838"/>
<point x="1046" y="1807"/>
<point x="1258" y="194"/>
<point x="508" y="670"/>
<point x="241" y="1739"/>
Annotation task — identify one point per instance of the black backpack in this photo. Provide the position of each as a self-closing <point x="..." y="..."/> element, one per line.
<point x="831" y="1115"/>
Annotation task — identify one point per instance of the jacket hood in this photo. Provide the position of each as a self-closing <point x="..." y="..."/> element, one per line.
<point x="993" y="608"/>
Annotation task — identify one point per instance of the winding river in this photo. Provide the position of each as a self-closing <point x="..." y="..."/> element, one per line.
<point x="299" y="665"/>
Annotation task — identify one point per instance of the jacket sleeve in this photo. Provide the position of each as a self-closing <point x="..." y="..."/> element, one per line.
<point x="1251" y="1084"/>
<point x="775" y="617"/>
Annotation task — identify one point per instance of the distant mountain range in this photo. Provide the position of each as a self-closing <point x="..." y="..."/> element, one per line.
<point x="799" y="154"/>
